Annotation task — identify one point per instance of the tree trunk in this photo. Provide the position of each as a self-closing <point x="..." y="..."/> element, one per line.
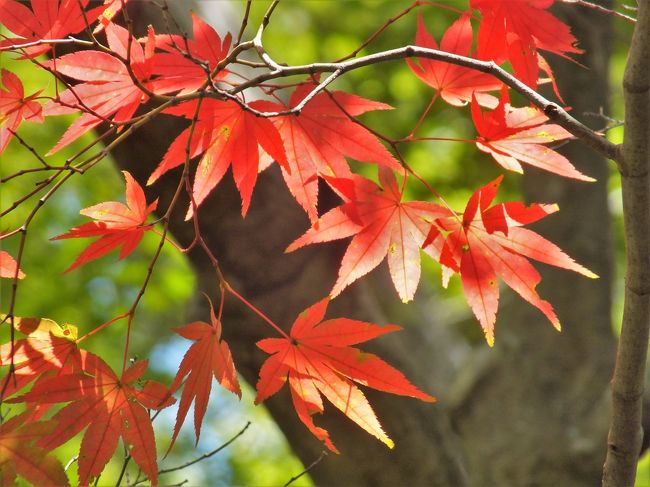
<point x="536" y="410"/>
<point x="251" y="254"/>
<point x="625" y="435"/>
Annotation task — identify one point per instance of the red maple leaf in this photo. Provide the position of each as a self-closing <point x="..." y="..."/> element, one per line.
<point x="515" y="29"/>
<point x="209" y="356"/>
<point x="110" y="407"/>
<point x="49" y="19"/>
<point x="107" y="87"/>
<point x="19" y="455"/>
<point x="226" y="134"/>
<point x="15" y="107"/>
<point x="515" y="135"/>
<point x="321" y="137"/>
<point x="381" y="225"/>
<point x="186" y="64"/>
<point x="488" y="242"/>
<point x="9" y="267"/>
<point x="318" y="359"/>
<point x="454" y="83"/>
<point x="116" y="223"/>
<point x="48" y="347"/>
<point x="109" y="10"/>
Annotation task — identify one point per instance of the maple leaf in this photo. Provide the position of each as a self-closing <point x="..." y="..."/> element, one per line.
<point x="515" y="135"/>
<point x="109" y="10"/>
<point x="209" y="356"/>
<point x="116" y="223"/>
<point x="110" y="408"/>
<point x="381" y="225"/>
<point x="516" y="29"/>
<point x="19" y="455"/>
<point x="454" y="83"/>
<point x="15" y="107"/>
<point x="186" y="64"/>
<point x="107" y="87"/>
<point x="318" y="359"/>
<point x="226" y="134"/>
<point x="321" y="137"/>
<point x="48" y="347"/>
<point x="488" y="242"/>
<point x="9" y="267"/>
<point x="49" y="19"/>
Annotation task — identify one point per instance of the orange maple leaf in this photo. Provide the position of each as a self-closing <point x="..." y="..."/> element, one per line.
<point x="317" y="359"/>
<point x="15" y="107"/>
<point x="319" y="140"/>
<point x="209" y="356"/>
<point x="227" y="135"/>
<point x="9" y="267"/>
<point x="382" y="226"/>
<point x="516" y="29"/>
<point x="110" y="407"/>
<point x="515" y="135"/>
<point x="19" y="455"/>
<point x="117" y="224"/>
<point x="489" y="241"/>
<point x="456" y="84"/>
<point x="48" y="347"/>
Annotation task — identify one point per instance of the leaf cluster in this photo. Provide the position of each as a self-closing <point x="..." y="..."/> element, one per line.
<point x="243" y="116"/>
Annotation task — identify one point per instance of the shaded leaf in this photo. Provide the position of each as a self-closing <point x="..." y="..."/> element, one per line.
<point x="109" y="407"/>
<point x="19" y="455"/>
<point x="47" y="348"/>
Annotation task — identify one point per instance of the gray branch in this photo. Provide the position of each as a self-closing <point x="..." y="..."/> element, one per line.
<point x="625" y="434"/>
<point x="552" y="110"/>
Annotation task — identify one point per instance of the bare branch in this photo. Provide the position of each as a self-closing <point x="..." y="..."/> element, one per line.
<point x="201" y="458"/>
<point x="552" y="110"/>
<point x="244" y="21"/>
<point x="600" y="8"/>
<point x="322" y="455"/>
<point x="209" y="454"/>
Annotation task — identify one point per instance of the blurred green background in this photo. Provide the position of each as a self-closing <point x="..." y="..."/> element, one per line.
<point x="301" y="31"/>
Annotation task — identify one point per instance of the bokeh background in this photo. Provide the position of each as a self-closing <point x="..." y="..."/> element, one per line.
<point x="302" y="31"/>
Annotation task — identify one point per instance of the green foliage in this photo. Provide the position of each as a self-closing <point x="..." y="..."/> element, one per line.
<point x="643" y="472"/>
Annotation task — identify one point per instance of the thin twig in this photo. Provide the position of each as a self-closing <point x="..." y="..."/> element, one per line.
<point x="244" y="22"/>
<point x="209" y="454"/>
<point x="600" y="8"/>
<point x="201" y="458"/>
<point x="322" y="455"/>
<point x="70" y="462"/>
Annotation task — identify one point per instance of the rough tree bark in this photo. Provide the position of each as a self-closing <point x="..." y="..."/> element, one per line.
<point x="536" y="410"/>
<point x="625" y="435"/>
<point x="538" y="413"/>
